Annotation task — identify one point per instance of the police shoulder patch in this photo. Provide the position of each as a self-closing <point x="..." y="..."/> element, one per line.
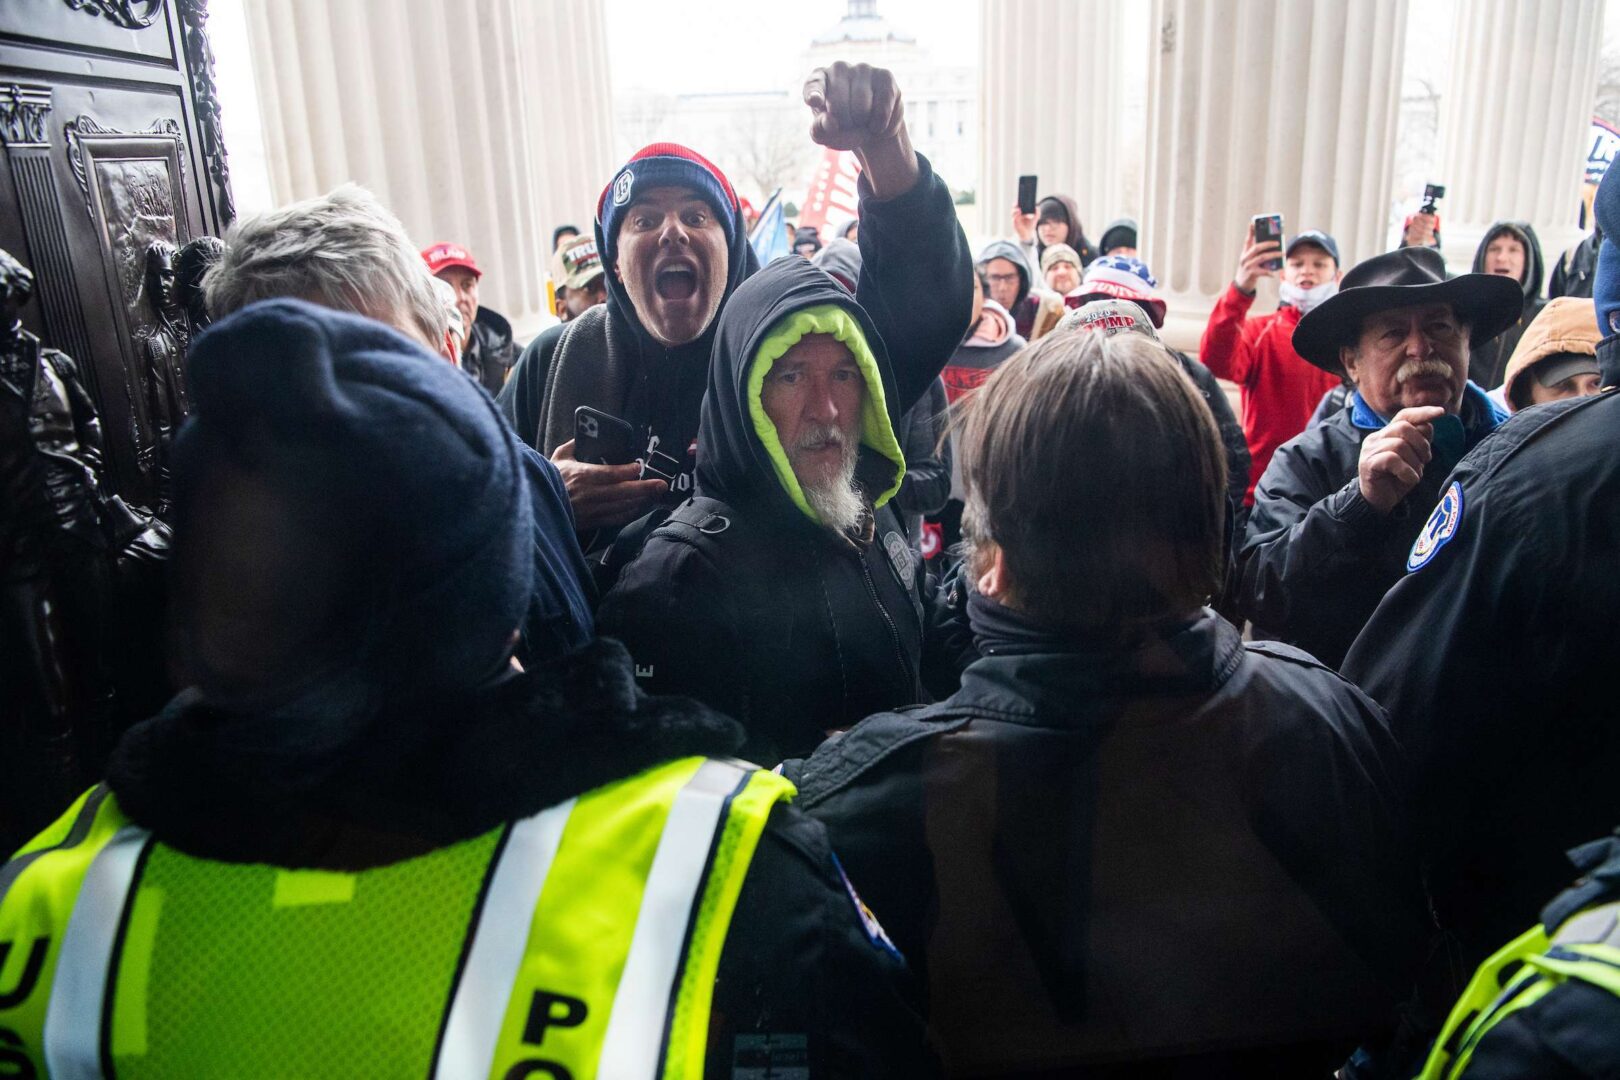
<point x="900" y="558"/>
<point x="869" y="923"/>
<point x="1439" y="529"/>
<point x="621" y="187"/>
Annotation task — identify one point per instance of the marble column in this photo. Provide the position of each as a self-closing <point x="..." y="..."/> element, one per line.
<point x="1052" y="101"/>
<point x="486" y="122"/>
<point x="1515" y="118"/>
<point x="1260" y="106"/>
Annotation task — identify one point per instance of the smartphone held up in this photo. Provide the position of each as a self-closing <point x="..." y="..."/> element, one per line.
<point x="1268" y="228"/>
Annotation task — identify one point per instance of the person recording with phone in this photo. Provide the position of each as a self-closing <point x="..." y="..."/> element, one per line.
<point x="1422" y="229"/>
<point x="1055" y="219"/>
<point x="1278" y="388"/>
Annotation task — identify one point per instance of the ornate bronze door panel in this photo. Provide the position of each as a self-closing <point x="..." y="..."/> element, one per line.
<point x="111" y="134"/>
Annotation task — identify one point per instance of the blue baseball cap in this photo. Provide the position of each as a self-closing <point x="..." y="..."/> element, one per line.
<point x="1317" y="237"/>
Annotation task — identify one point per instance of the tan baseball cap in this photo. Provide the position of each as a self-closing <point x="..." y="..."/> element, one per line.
<point x="582" y="264"/>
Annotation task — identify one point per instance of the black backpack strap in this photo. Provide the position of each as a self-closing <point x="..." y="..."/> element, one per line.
<point x="625" y="547"/>
<point x="711" y="517"/>
<point x="707" y="517"/>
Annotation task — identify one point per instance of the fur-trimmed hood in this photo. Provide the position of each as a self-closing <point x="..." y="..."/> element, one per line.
<point x="418" y="778"/>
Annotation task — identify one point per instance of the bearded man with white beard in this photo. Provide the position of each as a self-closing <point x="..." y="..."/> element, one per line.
<point x="786" y="594"/>
<point x="1343" y="510"/>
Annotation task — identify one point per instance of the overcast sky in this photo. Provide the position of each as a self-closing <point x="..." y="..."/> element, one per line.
<point x="753" y="45"/>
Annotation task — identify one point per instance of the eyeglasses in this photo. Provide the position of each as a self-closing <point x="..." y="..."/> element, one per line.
<point x="1001" y="279"/>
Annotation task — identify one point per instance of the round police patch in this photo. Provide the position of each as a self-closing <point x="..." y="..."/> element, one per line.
<point x="1440" y="528"/>
<point x="900" y="560"/>
<point x="869" y="922"/>
<point x="621" y="187"/>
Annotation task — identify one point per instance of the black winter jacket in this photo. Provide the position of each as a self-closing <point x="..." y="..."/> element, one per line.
<point x="799" y="959"/>
<point x="1495" y="659"/>
<point x="929" y="459"/>
<point x="1177" y="856"/>
<point x="490" y="350"/>
<point x="1576" y="270"/>
<point x="744" y="602"/>
<point x="520" y="398"/>
<point x="1317" y="557"/>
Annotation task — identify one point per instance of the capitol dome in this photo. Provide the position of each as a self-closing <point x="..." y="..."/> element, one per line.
<point x="862" y="25"/>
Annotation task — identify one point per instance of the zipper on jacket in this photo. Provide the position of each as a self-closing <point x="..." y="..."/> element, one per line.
<point x="894" y="634"/>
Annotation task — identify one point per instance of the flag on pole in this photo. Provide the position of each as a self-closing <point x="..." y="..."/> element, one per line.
<point x="769" y="238"/>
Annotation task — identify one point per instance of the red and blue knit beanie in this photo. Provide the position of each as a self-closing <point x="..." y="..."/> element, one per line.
<point x="665" y="165"/>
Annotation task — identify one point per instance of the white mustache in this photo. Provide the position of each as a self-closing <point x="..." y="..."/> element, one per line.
<point x="1414" y="369"/>
<point x="816" y="435"/>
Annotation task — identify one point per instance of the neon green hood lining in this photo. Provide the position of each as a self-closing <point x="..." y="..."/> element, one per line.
<point x="876" y="431"/>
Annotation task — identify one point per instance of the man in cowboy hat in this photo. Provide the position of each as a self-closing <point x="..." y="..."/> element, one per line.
<point x="1338" y="507"/>
<point x="1494" y="653"/>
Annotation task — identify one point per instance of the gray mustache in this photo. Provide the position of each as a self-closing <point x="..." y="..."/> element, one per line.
<point x="1413" y="369"/>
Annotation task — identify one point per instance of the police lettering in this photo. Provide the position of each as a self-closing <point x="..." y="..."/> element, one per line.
<point x="547" y="1010"/>
<point x="524" y="1069"/>
<point x="551" y="1010"/>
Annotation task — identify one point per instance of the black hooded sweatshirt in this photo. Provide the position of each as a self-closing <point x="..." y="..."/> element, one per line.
<point x="744" y="602"/>
<point x="915" y="281"/>
<point x="1487" y="363"/>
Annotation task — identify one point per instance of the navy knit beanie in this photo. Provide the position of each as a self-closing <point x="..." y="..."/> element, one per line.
<point x="404" y="467"/>
<point x="665" y="165"/>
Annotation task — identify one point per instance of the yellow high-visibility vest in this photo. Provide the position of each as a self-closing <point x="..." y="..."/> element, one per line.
<point x="1586" y="948"/>
<point x="579" y="942"/>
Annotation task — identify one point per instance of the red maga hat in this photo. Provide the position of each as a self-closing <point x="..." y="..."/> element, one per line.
<point x="443" y="255"/>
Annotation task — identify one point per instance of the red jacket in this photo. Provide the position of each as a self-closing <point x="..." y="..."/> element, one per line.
<point x="1280" y="388"/>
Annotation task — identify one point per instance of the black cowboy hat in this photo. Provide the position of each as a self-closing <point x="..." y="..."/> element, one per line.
<point x="1488" y="303"/>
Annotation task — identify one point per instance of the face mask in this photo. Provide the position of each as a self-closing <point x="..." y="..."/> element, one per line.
<point x="1306" y="299"/>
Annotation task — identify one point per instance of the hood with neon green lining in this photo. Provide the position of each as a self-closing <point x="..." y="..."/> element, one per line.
<point x="740" y="460"/>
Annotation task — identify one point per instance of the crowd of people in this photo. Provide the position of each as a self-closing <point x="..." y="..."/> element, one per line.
<point x="892" y="660"/>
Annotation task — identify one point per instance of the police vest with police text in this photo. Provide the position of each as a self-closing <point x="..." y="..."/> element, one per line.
<point x="581" y="941"/>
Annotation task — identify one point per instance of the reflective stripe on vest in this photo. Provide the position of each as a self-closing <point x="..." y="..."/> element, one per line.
<point x="1586" y="947"/>
<point x="590" y="937"/>
<point x="38" y="893"/>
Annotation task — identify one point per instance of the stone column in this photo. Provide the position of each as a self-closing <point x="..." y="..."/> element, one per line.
<point x="1051" y="103"/>
<point x="486" y="122"/>
<point x="1515" y="118"/>
<point x="1258" y="106"/>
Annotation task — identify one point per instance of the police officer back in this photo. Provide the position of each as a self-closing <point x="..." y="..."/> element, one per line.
<point x="362" y="842"/>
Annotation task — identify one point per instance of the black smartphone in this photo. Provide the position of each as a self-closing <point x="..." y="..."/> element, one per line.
<point x="602" y="439"/>
<point x="1026" y="194"/>
<point x="1268" y="227"/>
